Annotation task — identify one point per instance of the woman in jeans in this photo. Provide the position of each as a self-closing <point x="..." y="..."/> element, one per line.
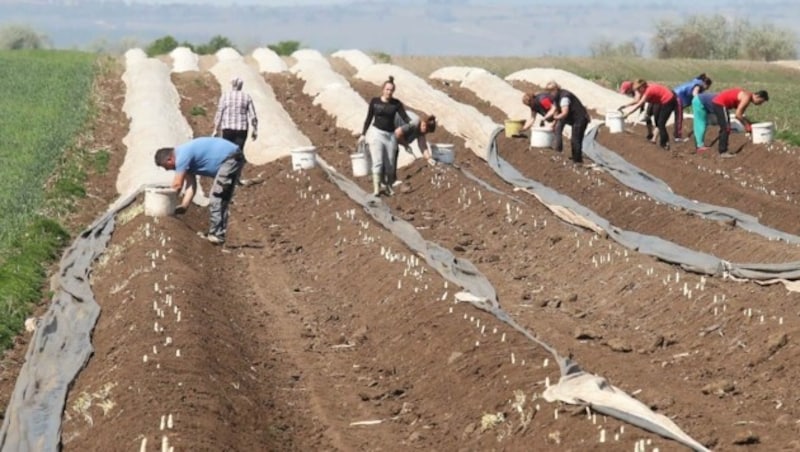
<point x="379" y="132"/>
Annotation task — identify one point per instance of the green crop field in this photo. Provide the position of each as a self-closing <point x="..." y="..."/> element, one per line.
<point x="45" y="103"/>
<point x="781" y="82"/>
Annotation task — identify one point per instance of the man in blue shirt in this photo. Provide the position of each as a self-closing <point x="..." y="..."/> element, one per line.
<point x="210" y="157"/>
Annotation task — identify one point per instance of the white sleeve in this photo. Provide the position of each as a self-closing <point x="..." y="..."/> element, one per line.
<point x="564" y="102"/>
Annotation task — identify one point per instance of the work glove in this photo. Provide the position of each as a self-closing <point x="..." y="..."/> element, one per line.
<point x="541" y="123"/>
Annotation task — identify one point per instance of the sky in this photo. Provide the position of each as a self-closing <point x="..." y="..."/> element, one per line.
<point x="245" y="2"/>
<point x="407" y="27"/>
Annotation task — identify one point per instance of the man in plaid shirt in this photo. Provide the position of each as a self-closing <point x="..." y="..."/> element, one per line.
<point x="234" y="112"/>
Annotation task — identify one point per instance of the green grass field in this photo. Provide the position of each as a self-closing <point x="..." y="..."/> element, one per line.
<point x="45" y="103"/>
<point x="781" y="82"/>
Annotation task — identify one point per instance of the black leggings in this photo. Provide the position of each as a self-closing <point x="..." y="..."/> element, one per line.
<point x="662" y="114"/>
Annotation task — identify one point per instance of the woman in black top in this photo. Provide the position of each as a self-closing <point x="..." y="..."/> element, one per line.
<point x="379" y="130"/>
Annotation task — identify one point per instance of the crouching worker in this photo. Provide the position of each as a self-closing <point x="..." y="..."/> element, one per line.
<point x="210" y="157"/>
<point x="416" y="129"/>
<point x="738" y="99"/>
<point x="540" y="104"/>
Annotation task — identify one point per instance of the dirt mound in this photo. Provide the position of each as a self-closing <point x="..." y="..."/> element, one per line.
<point x="312" y="329"/>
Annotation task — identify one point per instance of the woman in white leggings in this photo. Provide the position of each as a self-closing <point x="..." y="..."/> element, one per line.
<point x="379" y="130"/>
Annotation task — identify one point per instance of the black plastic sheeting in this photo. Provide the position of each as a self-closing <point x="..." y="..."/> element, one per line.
<point x="60" y="346"/>
<point x="575" y="385"/>
<point x="686" y="258"/>
<point x="639" y="180"/>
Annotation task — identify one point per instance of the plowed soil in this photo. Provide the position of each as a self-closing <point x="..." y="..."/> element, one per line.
<point x="313" y="329"/>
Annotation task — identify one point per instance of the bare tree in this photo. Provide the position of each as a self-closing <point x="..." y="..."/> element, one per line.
<point x="716" y="37"/>
<point x="604" y="48"/>
<point x="16" y="37"/>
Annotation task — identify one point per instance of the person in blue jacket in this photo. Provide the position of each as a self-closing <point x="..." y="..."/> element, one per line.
<point x="685" y="93"/>
<point x="701" y="108"/>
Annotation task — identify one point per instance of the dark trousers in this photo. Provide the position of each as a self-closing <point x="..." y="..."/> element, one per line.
<point x="679" y="117"/>
<point x="576" y="140"/>
<point x="237" y="137"/>
<point x="648" y="118"/>
<point x="662" y="114"/>
<point x="222" y="192"/>
<point x="393" y="177"/>
<point x="721" y="113"/>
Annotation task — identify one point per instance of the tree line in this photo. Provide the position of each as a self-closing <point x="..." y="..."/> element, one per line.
<point x="713" y="37"/>
<point x="19" y="37"/>
<point x="167" y="44"/>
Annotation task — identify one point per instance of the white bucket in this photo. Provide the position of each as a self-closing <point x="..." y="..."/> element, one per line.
<point x="360" y="164"/>
<point x="304" y="158"/>
<point x="763" y="132"/>
<point x="160" y="202"/>
<point x="614" y="121"/>
<point x="443" y="153"/>
<point x="541" y="138"/>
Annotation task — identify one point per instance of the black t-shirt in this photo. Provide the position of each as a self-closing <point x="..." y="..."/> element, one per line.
<point x="384" y="114"/>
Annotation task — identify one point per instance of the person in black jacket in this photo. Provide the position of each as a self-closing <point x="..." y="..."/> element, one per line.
<point x="569" y="110"/>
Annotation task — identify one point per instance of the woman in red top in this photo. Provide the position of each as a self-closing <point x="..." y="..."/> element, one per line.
<point x="664" y="102"/>
<point x="626" y="88"/>
<point x="734" y="98"/>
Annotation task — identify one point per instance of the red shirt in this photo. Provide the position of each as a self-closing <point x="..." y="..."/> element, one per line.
<point x="657" y="94"/>
<point x="728" y="98"/>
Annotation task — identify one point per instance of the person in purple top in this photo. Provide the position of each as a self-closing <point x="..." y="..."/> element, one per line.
<point x="211" y="157"/>
<point x="685" y="93"/>
<point x="701" y="108"/>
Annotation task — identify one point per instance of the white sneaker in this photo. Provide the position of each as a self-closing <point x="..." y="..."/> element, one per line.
<point x="681" y="140"/>
<point x="215" y="240"/>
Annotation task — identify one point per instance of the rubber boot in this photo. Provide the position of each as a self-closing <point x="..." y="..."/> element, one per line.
<point x="376" y="184"/>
